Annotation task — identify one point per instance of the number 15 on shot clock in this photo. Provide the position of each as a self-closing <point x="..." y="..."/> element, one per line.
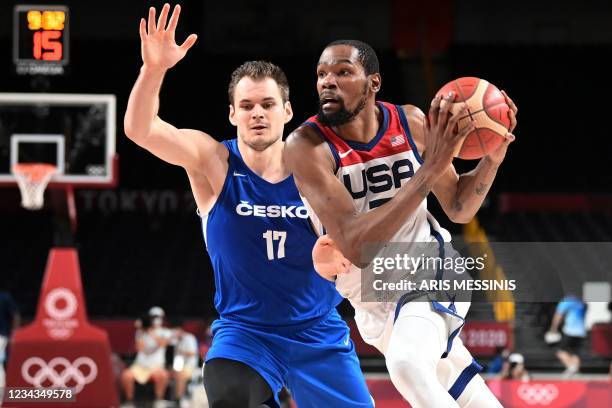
<point x="40" y="39"/>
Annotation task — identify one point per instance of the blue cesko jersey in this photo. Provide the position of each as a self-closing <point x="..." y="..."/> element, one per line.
<point x="260" y="242"/>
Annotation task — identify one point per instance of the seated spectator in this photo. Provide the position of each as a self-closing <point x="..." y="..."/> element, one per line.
<point x="149" y="363"/>
<point x="186" y="359"/>
<point x="157" y="316"/>
<point x="514" y="368"/>
<point x="497" y="363"/>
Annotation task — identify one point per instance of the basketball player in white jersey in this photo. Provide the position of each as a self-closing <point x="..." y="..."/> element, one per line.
<point x="359" y="165"/>
<point x="278" y="323"/>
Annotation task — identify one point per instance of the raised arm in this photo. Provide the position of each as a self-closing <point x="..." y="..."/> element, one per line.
<point x="313" y="169"/>
<point x="202" y="156"/>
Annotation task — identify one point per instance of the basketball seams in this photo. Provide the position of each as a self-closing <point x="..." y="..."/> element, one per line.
<point x="483" y="148"/>
<point x="459" y="89"/>
<point x="495" y="125"/>
<point x="484" y="107"/>
<point x="486" y="111"/>
<point x="461" y="95"/>
<point x="496" y="120"/>
<point x="478" y="95"/>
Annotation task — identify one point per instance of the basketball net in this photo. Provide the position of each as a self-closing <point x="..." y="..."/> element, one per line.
<point x="32" y="179"/>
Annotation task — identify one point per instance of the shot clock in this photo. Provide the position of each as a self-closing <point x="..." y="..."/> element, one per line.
<point x="40" y="39"/>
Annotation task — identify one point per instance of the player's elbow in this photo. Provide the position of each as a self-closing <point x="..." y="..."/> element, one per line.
<point x="460" y="215"/>
<point x="361" y="257"/>
<point x="355" y="246"/>
<point x="130" y="130"/>
<point x="133" y="130"/>
<point x="352" y="249"/>
<point x="355" y="258"/>
<point x="345" y="243"/>
<point x="460" y="218"/>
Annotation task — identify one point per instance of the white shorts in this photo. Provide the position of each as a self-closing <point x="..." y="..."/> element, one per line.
<point x="376" y="328"/>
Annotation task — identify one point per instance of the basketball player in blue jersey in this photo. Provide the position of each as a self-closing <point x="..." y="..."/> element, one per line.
<point x="278" y="324"/>
<point x="359" y="164"/>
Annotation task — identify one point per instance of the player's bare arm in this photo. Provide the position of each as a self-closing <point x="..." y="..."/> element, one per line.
<point x="204" y="159"/>
<point x="462" y="195"/>
<point x="313" y="169"/>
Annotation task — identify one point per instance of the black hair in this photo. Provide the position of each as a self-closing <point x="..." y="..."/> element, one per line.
<point x="367" y="55"/>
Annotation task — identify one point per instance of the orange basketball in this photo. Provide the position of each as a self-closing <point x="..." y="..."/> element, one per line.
<point x="486" y="107"/>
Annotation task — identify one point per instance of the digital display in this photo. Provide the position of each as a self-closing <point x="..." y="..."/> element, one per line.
<point x="40" y="39"/>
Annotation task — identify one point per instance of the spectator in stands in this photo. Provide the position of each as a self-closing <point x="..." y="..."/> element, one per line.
<point x="10" y="319"/>
<point x="497" y="363"/>
<point x="149" y="363"/>
<point x="186" y="358"/>
<point x="514" y="368"/>
<point x="572" y="311"/>
<point x="157" y="316"/>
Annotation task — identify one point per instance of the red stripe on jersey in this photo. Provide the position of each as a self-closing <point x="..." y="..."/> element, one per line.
<point x="393" y="140"/>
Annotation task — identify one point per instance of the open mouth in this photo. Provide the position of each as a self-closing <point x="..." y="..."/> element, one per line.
<point x="329" y="102"/>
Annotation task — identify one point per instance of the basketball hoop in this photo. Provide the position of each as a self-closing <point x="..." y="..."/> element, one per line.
<point x="32" y="179"/>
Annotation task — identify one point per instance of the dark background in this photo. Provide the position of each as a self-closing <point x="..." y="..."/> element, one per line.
<point x="551" y="57"/>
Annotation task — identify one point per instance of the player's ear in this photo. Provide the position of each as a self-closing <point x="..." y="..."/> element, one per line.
<point x="375" y="82"/>
<point x="232" y="112"/>
<point x="288" y="112"/>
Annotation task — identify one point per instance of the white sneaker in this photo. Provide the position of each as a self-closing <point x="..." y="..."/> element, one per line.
<point x="184" y="403"/>
<point x="159" y="404"/>
<point x="128" y="404"/>
<point x="570" y="372"/>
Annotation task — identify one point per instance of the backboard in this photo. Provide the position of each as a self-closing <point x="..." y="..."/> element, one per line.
<point x="74" y="132"/>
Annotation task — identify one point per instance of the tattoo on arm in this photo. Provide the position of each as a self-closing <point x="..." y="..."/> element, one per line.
<point x="481" y="189"/>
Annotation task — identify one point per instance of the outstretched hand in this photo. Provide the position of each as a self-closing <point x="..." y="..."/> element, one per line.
<point x="158" y="46"/>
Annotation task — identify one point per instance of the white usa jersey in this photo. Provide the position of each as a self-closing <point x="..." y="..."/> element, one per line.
<point x="373" y="173"/>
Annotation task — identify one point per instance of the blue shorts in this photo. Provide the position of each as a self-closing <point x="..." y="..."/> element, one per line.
<point x="318" y="363"/>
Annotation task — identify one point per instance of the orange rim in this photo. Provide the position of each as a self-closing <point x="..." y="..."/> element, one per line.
<point x="34" y="171"/>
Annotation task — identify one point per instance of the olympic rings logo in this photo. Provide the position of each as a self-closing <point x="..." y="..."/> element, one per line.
<point x="538" y="394"/>
<point x="69" y="299"/>
<point x="45" y="373"/>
